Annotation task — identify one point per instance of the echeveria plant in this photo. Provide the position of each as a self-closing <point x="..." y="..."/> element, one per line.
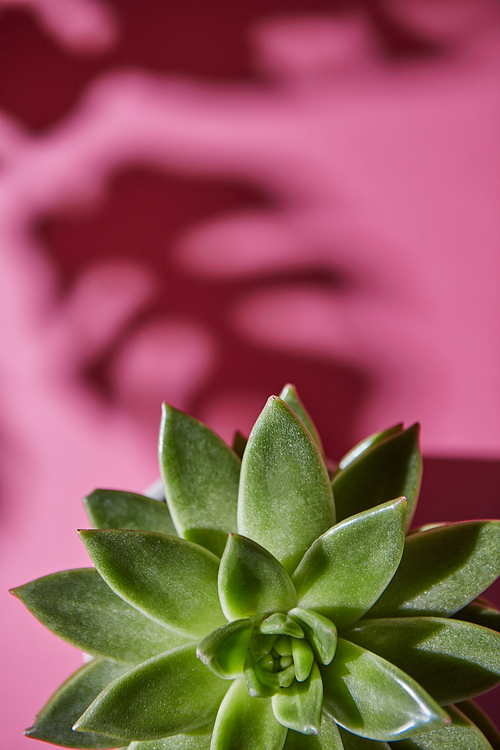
<point x="273" y="604"/>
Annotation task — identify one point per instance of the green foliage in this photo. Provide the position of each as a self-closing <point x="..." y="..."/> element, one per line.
<point x="239" y="615"/>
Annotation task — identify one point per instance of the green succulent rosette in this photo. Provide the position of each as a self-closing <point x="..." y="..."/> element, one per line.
<point x="270" y="604"/>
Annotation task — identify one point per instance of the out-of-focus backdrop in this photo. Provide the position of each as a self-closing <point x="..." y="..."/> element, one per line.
<point x="200" y="201"/>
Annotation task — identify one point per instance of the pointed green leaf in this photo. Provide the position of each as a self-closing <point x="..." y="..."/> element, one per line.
<point x="367" y="443"/>
<point x="252" y="581"/>
<point x="199" y="739"/>
<point x="285" y="499"/>
<point x="200" y="474"/>
<point x="389" y="469"/>
<point x="461" y="734"/>
<point x="482" y="722"/>
<point x="114" y="509"/>
<point x="346" y="569"/>
<point x="442" y="570"/>
<point x="79" y="607"/>
<point x="452" y="660"/>
<point x="303" y="658"/>
<point x="298" y="707"/>
<point x="245" y="723"/>
<point x="371" y="697"/>
<point x="291" y="398"/>
<point x="319" y="631"/>
<point x="169" y="694"/>
<point x="224" y="651"/>
<point x="481" y="613"/>
<point x="171" y="580"/>
<point x="55" y="721"/>
<point x="280" y="624"/>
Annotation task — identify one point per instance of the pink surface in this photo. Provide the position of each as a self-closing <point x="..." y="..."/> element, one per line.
<point x="378" y="171"/>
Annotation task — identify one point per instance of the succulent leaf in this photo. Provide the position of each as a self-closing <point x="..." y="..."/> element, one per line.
<point x="460" y="734"/>
<point x="225" y="650"/>
<point x="291" y="398"/>
<point x="285" y="499"/>
<point x="281" y="624"/>
<point x="367" y="443"/>
<point x="442" y="570"/>
<point x="55" y="721"/>
<point x="481" y="613"/>
<point x="251" y="580"/>
<point x="483" y="723"/>
<point x="320" y="632"/>
<point x="171" y="580"/>
<point x="371" y="697"/>
<point x="345" y="570"/>
<point x="79" y="607"/>
<point x="303" y="658"/>
<point x="200" y="475"/>
<point x="114" y="509"/>
<point x="244" y="723"/>
<point x="253" y="683"/>
<point x="298" y="707"/>
<point x="388" y="469"/>
<point x="452" y="660"/>
<point x="168" y="694"/>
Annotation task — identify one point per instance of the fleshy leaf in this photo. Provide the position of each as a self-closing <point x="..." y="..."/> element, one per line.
<point x="55" y="721"/>
<point x="320" y="632"/>
<point x="482" y="722"/>
<point x="169" y="694"/>
<point x="480" y="612"/>
<point x="280" y="624"/>
<point x="303" y="658"/>
<point x="199" y="739"/>
<point x="224" y="651"/>
<point x="200" y="474"/>
<point x="79" y="607"/>
<point x="285" y="498"/>
<point x="253" y="685"/>
<point x="171" y="580"/>
<point x="391" y="468"/>
<point x="291" y="398"/>
<point x="245" y="723"/>
<point x="251" y="580"/>
<point x="298" y="707"/>
<point x="461" y="734"/>
<point x="371" y="697"/>
<point x="442" y="570"/>
<point x="114" y="509"/>
<point x="367" y="443"/>
<point x="452" y="660"/>
<point x="346" y="569"/>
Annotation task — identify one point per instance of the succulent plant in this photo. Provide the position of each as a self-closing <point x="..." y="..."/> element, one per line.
<point x="251" y="610"/>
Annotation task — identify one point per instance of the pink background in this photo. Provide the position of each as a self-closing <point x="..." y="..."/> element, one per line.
<point x="202" y="201"/>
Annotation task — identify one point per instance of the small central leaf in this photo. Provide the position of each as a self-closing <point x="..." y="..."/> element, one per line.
<point x="225" y="650"/>
<point x="252" y="581"/>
